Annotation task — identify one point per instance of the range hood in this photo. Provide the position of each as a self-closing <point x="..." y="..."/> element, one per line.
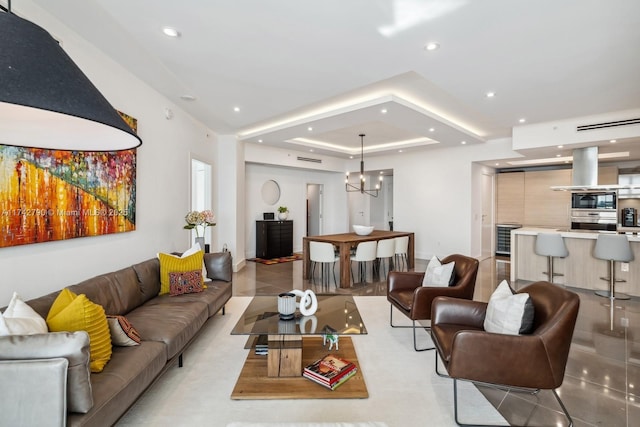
<point x="585" y="174"/>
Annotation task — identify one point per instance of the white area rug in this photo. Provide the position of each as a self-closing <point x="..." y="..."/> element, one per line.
<point x="404" y="390"/>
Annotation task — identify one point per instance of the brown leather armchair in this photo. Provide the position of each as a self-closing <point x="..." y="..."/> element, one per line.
<point x="406" y="293"/>
<point x="532" y="362"/>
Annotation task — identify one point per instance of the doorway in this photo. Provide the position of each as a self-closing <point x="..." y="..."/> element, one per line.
<point x="487" y="235"/>
<point x="314" y="209"/>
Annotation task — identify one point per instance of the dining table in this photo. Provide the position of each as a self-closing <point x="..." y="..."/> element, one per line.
<point x="345" y="242"/>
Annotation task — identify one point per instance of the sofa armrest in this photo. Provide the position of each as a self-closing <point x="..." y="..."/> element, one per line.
<point x="219" y="266"/>
<point x="34" y="392"/>
<point x="72" y="346"/>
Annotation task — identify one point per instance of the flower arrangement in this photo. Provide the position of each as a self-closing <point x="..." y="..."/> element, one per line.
<point x="196" y="220"/>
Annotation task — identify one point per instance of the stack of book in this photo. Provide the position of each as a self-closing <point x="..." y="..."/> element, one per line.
<point x="261" y="345"/>
<point x="330" y="371"/>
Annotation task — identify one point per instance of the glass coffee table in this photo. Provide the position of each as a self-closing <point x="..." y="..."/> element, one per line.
<point x="336" y="314"/>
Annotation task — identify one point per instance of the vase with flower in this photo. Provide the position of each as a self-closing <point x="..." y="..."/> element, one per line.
<point x="199" y="221"/>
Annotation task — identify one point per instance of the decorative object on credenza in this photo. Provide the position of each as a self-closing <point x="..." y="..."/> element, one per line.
<point x="62" y="113"/>
<point x="268" y="216"/>
<point x="199" y="221"/>
<point x="361" y="187"/>
<point x="49" y="195"/>
<point x="283" y="213"/>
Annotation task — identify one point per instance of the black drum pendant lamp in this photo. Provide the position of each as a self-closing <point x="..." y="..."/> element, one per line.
<point x="46" y="101"/>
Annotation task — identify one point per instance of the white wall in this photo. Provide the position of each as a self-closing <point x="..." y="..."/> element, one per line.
<point x="162" y="183"/>
<point x="293" y="187"/>
<point x="436" y="195"/>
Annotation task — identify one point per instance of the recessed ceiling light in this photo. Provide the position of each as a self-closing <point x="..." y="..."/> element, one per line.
<point x="311" y="150"/>
<point x="558" y="155"/>
<point x="187" y="97"/>
<point x="399" y="151"/>
<point x="463" y="142"/>
<point x="383" y="111"/>
<point x="497" y="164"/>
<point x="351" y="157"/>
<point x="431" y="129"/>
<point x="560" y="146"/>
<point x="170" y="32"/>
<point x="432" y="46"/>
<point x="236" y="109"/>
<point x="381" y="172"/>
<point x="309" y="128"/>
<point x="522" y="120"/>
<point x="613" y="141"/>
<point x="491" y="94"/>
<point x="260" y="141"/>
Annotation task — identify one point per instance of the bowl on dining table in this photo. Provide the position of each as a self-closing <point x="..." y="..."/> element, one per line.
<point x="363" y="230"/>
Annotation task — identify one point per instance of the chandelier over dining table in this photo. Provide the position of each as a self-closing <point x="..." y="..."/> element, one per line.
<point x="361" y="186"/>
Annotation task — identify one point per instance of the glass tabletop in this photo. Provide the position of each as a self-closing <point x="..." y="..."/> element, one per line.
<point x="337" y="314"/>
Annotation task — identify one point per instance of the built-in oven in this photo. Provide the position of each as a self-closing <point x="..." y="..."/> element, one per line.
<point x="597" y="200"/>
<point x="594" y="211"/>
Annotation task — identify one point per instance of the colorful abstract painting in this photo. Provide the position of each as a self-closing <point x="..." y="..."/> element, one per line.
<point x="48" y="195"/>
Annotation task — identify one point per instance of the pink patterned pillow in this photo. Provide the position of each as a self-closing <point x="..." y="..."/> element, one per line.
<point x="185" y="282"/>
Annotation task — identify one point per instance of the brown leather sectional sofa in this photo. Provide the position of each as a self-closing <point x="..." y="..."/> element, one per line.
<point x="166" y="324"/>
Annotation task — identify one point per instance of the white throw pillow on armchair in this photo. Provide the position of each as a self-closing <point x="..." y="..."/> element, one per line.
<point x="509" y="313"/>
<point x="437" y="274"/>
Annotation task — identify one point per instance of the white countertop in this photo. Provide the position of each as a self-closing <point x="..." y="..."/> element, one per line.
<point x="532" y="231"/>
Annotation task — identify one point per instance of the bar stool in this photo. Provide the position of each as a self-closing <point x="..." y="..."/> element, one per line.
<point x="552" y="246"/>
<point x="612" y="248"/>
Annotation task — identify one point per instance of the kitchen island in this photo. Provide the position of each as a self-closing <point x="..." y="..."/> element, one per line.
<point x="581" y="269"/>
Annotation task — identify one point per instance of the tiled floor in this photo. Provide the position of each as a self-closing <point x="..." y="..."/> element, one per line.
<point x="603" y="367"/>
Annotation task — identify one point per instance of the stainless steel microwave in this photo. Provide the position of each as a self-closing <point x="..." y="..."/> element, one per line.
<point x="597" y="201"/>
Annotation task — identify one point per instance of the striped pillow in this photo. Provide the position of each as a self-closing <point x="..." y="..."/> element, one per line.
<point x="71" y="313"/>
<point x="175" y="264"/>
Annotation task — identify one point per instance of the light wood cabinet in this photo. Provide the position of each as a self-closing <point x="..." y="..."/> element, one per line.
<point x="544" y="207"/>
<point x="510" y="198"/>
<point x="607" y="175"/>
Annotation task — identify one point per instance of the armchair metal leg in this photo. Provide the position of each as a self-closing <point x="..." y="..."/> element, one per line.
<point x="455" y="404"/>
<point x="415" y="345"/>
<point x="438" y="372"/>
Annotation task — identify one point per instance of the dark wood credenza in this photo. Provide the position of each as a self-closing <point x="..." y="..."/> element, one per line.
<point x="274" y="239"/>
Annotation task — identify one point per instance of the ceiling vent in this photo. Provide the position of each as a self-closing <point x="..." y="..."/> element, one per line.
<point x="309" y="159"/>
<point x="606" y="125"/>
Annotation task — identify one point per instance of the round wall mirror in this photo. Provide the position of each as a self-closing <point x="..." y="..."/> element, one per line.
<point x="270" y="192"/>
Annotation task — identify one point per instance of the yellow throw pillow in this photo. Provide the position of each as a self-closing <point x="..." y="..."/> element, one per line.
<point x="71" y="312"/>
<point x="174" y="264"/>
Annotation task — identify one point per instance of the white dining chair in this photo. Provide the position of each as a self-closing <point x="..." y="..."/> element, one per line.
<point x="323" y="253"/>
<point x="386" y="250"/>
<point x="402" y="246"/>
<point x="365" y="252"/>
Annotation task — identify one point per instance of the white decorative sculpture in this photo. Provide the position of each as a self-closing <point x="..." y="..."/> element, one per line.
<point x="308" y="302"/>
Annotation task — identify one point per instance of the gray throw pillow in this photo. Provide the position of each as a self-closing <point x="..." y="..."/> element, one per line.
<point x="74" y="346"/>
<point x="219" y="266"/>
